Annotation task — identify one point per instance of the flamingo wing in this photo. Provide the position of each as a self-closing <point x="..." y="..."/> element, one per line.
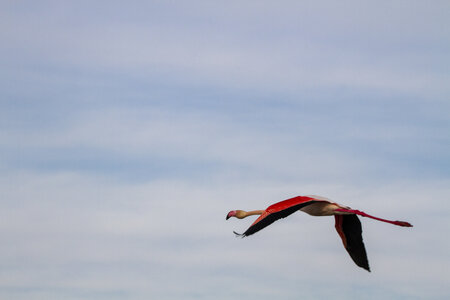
<point x="278" y="211"/>
<point x="350" y="231"/>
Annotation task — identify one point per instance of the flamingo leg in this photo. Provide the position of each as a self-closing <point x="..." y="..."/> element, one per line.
<point x="363" y="214"/>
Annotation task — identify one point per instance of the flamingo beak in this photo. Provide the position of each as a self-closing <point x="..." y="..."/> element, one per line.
<point x="231" y="214"/>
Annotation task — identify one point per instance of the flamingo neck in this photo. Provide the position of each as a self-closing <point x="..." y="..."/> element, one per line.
<point x="240" y="214"/>
<point x="254" y="212"/>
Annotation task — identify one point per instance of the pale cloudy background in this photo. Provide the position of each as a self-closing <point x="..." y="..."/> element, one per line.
<point x="128" y="129"/>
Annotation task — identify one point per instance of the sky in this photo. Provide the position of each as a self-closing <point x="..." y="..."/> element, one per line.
<point x="129" y="130"/>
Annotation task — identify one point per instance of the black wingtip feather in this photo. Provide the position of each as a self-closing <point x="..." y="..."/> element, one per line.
<point x="241" y="235"/>
<point x="355" y="245"/>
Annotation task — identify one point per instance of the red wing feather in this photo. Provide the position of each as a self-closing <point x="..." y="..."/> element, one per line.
<point x="278" y="211"/>
<point x="285" y="204"/>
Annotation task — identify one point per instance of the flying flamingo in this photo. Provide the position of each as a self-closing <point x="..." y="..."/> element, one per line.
<point x="347" y="223"/>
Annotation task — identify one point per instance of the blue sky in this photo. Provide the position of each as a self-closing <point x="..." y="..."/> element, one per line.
<point x="129" y="130"/>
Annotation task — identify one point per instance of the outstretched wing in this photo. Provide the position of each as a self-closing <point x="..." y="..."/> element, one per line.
<point x="278" y="211"/>
<point x="350" y="231"/>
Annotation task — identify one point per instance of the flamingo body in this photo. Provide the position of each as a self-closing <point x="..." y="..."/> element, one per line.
<point x="347" y="223"/>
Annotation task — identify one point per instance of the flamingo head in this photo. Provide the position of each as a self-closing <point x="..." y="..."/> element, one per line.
<point x="240" y="214"/>
<point x="231" y="214"/>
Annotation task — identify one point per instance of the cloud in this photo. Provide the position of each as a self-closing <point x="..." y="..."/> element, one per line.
<point x="192" y="48"/>
<point x="81" y="233"/>
<point x="128" y="132"/>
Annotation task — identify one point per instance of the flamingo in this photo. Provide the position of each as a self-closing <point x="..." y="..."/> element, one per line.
<point x="347" y="223"/>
